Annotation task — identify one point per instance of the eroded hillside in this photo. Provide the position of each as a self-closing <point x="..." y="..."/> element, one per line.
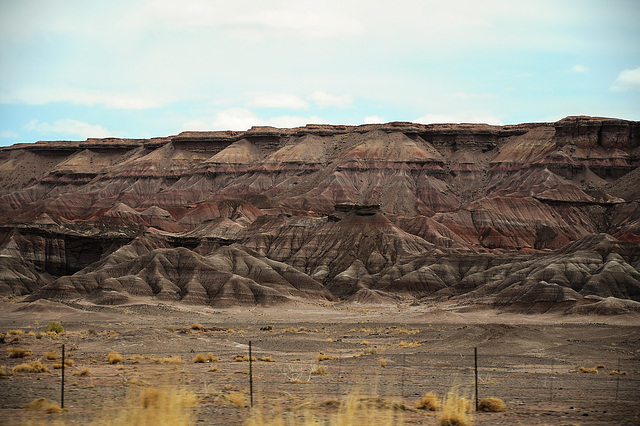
<point x="532" y="217"/>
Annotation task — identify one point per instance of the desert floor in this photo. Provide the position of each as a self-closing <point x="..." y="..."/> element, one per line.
<point x="548" y="369"/>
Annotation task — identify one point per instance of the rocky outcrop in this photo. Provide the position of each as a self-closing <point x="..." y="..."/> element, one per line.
<point x="369" y="214"/>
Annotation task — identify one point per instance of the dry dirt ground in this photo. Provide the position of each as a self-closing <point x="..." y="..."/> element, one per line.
<point x="391" y="354"/>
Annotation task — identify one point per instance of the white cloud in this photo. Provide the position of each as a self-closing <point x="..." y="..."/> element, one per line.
<point x="467" y="96"/>
<point x="43" y="95"/>
<point x="277" y="100"/>
<point x="579" y="69"/>
<point x="464" y="117"/>
<point x="256" y="20"/>
<point x="241" y="119"/>
<point x="8" y="134"/>
<point x="323" y="100"/>
<point x="627" y="80"/>
<point x="373" y="119"/>
<point x="68" y="126"/>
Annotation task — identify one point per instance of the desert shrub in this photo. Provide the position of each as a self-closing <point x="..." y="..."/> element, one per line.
<point x="213" y="368"/>
<point x="3" y="371"/>
<point x="212" y="358"/>
<point x="492" y="405"/>
<point x="365" y="342"/>
<point x="31" y="334"/>
<point x="55" y="327"/>
<point x="67" y="363"/>
<point x="589" y="370"/>
<point x="319" y="370"/>
<point x="404" y="344"/>
<point x="32" y="367"/>
<point x="323" y="357"/>
<point x="199" y="358"/>
<point x="267" y="359"/>
<point x="92" y="332"/>
<point x="42" y="404"/>
<point x="428" y="401"/>
<point x="242" y="358"/>
<point x="19" y="353"/>
<point x="114" y="358"/>
<point x="85" y="372"/>
<point x="15" y="333"/>
<point x="600" y="366"/>
<point x="197" y="327"/>
<point x="383" y="362"/>
<point x="455" y="410"/>
<point x="51" y="356"/>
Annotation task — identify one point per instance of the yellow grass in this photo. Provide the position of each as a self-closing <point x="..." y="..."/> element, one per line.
<point x="32" y="367"/>
<point x="15" y="332"/>
<point x="455" y="409"/>
<point x="42" y="404"/>
<point x="3" y="371"/>
<point x="169" y="360"/>
<point x="196" y="326"/>
<point x="114" y="358"/>
<point x="323" y="357"/>
<point x="19" y="353"/>
<point x="589" y="370"/>
<point x="492" y="405"/>
<point x="51" y="356"/>
<point x="319" y="370"/>
<point x="199" y="358"/>
<point x="267" y="359"/>
<point x="237" y="398"/>
<point x="155" y="406"/>
<point x="85" y="372"/>
<point x="428" y="401"/>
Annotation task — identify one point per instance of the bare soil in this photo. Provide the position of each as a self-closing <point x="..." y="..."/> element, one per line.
<point x="391" y="354"/>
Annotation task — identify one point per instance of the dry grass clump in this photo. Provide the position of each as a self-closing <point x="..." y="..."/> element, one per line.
<point x="85" y="372"/>
<point x="455" y="409"/>
<point x="199" y="358"/>
<point x="365" y="342"/>
<point x="3" y="371"/>
<point x="589" y="370"/>
<point x="67" y="363"/>
<point x="155" y="406"/>
<point x="492" y="405"/>
<point x="428" y="401"/>
<point x="197" y="327"/>
<point x="323" y="357"/>
<point x="404" y="344"/>
<point x="31" y="367"/>
<point x="236" y="398"/>
<point x="319" y="370"/>
<point x="15" y="332"/>
<point x="243" y="358"/>
<point x="383" y="362"/>
<point x="114" y="358"/>
<point x="267" y="359"/>
<point x="19" y="353"/>
<point x="54" y="327"/>
<point x="51" y="356"/>
<point x="43" y="404"/>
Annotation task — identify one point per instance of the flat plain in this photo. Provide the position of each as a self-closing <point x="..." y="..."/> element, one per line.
<point x="549" y="369"/>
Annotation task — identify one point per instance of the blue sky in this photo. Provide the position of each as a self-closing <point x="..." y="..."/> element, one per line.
<point x="77" y="69"/>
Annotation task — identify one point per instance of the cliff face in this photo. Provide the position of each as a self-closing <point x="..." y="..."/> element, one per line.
<point x="361" y="213"/>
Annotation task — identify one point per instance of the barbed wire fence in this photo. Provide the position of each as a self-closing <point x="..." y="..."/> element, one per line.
<point x="517" y="379"/>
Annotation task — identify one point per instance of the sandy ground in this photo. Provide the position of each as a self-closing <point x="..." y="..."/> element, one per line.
<point x="392" y="354"/>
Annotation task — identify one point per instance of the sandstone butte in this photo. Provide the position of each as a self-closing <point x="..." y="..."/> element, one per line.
<point x="540" y="217"/>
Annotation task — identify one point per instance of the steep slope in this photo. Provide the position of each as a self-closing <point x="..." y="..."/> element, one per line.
<point x="366" y="213"/>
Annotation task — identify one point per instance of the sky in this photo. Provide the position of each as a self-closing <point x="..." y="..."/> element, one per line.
<point x="71" y="70"/>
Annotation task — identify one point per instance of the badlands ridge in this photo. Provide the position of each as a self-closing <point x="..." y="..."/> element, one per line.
<point x="531" y="218"/>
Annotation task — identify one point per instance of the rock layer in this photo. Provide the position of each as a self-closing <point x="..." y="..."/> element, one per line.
<point x="513" y="217"/>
